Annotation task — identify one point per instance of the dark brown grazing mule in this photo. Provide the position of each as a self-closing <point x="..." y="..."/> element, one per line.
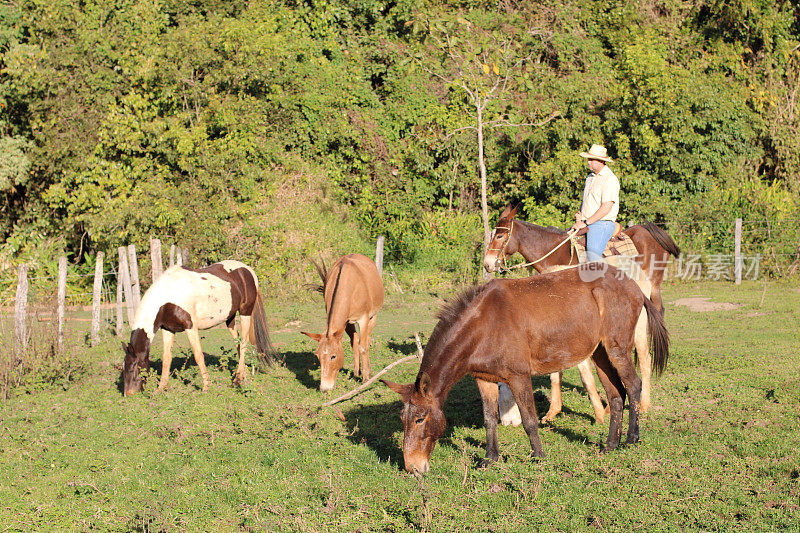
<point x="353" y="294"/>
<point x="189" y="300"/>
<point x="508" y="330"/>
<point x="534" y="242"/>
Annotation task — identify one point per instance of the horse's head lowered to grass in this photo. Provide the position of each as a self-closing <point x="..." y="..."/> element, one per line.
<point x="353" y="293"/>
<point x="188" y="300"/>
<point x="330" y="353"/>
<point x="136" y="362"/>
<point x="423" y="422"/>
<point x="509" y="329"/>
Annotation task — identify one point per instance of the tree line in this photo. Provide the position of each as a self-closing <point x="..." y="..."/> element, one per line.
<point x="271" y="129"/>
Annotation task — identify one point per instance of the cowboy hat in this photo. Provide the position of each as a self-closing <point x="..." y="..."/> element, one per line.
<point x="597" y="152"/>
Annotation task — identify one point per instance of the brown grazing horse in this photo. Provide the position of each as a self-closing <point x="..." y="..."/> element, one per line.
<point x="189" y="300"/>
<point x="509" y="412"/>
<point x="535" y="242"/>
<point x="509" y="329"/>
<point x="353" y="294"/>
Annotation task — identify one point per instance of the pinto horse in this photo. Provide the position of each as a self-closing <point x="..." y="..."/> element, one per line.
<point x="185" y="299"/>
<point x="508" y="329"/>
<point x="549" y="247"/>
<point x="353" y="293"/>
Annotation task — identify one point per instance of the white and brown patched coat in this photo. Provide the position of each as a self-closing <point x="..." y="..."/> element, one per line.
<point x="185" y="299"/>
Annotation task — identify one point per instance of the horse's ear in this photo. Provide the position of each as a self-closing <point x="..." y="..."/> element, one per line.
<point x="125" y="348"/>
<point x="316" y="336"/>
<point x="505" y="212"/>
<point x="424" y="383"/>
<point x="402" y="390"/>
<point x="513" y="212"/>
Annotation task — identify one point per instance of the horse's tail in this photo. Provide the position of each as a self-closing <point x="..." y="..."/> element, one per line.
<point x="322" y="270"/>
<point x="662" y="238"/>
<point x="659" y="338"/>
<point x="259" y="333"/>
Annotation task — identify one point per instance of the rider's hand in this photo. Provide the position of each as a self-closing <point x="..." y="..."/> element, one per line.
<point x="578" y="225"/>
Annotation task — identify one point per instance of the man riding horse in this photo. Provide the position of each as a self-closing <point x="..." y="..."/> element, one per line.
<point x="600" y="204"/>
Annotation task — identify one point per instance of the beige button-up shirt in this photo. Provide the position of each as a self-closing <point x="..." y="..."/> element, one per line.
<point x="600" y="188"/>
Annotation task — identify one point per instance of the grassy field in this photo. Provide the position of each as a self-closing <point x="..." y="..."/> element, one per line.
<point x="720" y="449"/>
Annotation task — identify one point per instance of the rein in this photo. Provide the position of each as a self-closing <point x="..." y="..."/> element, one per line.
<point x="505" y="268"/>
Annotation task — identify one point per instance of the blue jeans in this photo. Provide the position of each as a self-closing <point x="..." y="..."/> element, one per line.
<point x="599" y="234"/>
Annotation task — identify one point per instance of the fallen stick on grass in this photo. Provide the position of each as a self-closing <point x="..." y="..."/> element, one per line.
<point x="374" y="378"/>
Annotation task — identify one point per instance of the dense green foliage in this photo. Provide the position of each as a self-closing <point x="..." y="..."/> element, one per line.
<point x="267" y="129"/>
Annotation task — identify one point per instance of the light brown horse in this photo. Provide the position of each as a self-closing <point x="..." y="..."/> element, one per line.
<point x="509" y="329"/>
<point x="534" y="243"/>
<point x="353" y="293"/>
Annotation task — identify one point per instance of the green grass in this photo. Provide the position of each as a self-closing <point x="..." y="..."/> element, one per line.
<point x="720" y="450"/>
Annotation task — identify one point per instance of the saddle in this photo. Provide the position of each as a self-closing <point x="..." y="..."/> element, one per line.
<point x="619" y="244"/>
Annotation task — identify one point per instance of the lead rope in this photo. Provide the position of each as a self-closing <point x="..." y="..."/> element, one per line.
<point x="570" y="237"/>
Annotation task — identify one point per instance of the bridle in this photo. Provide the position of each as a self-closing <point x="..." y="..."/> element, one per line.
<point x="501" y="250"/>
<point x="501" y="256"/>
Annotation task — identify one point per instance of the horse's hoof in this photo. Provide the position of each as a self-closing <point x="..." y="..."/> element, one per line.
<point x="486" y="462"/>
<point x="548" y="418"/>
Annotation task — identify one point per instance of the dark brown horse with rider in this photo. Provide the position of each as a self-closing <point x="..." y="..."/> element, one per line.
<point x="534" y="243"/>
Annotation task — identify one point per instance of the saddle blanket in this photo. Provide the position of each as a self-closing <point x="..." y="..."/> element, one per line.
<point x="620" y="244"/>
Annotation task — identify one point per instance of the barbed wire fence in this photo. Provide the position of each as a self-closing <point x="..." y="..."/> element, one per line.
<point x="42" y="314"/>
<point x="36" y="305"/>
<point x="734" y="250"/>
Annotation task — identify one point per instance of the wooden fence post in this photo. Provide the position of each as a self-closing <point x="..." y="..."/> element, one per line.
<point x="379" y="255"/>
<point x="737" y="251"/>
<point x="62" y="296"/>
<point x="120" y="321"/>
<point x="21" y="310"/>
<point x="96" y="299"/>
<point x="126" y="281"/>
<point x="133" y="264"/>
<point x="155" y="258"/>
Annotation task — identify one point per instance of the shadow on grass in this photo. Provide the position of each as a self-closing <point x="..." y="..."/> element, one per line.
<point x="378" y="425"/>
<point x="301" y="364"/>
<point x="405" y="347"/>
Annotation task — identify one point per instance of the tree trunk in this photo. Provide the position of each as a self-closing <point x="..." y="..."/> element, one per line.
<point x="484" y="207"/>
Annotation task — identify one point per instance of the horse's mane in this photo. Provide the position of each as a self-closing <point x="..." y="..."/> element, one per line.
<point x="550" y="229"/>
<point x="322" y="270"/>
<point x="451" y="310"/>
<point x="449" y="314"/>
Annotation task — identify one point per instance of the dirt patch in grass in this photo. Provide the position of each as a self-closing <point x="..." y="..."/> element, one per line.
<point x="701" y="305"/>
